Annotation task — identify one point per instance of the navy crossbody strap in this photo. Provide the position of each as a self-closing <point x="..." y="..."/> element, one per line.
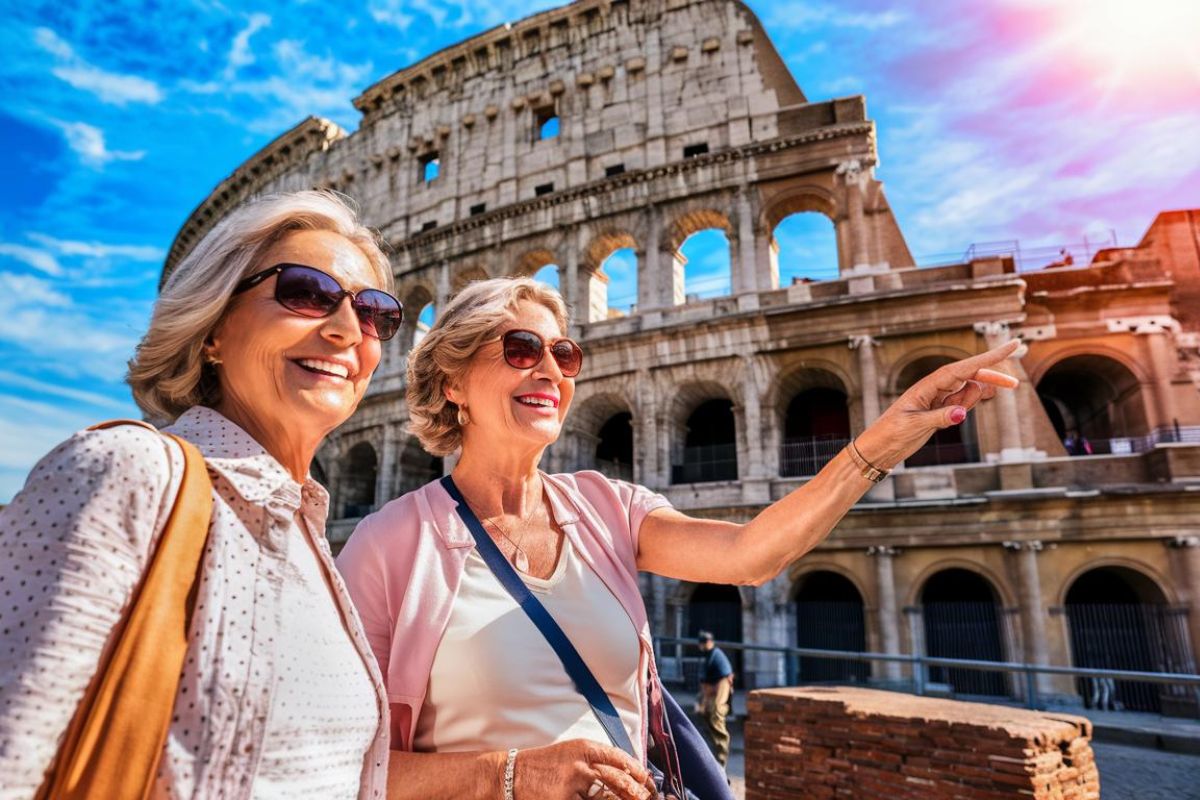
<point x="584" y="681"/>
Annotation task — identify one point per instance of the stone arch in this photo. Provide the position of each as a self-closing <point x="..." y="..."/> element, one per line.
<point x="603" y="427"/>
<point x="778" y="221"/>
<point x="964" y="617"/>
<point x="1040" y="369"/>
<point x="530" y="261"/>
<point x="903" y="368"/>
<point x="704" y="433"/>
<point x="812" y="415"/>
<point x="958" y="444"/>
<point x="608" y="258"/>
<point x="683" y="225"/>
<point x="1092" y="401"/>
<point x="801" y="198"/>
<point x="417" y="467"/>
<point x="829" y="609"/>
<point x="1118" y="617"/>
<point x="467" y="274"/>
<point x="415" y="299"/>
<point x="358" y="473"/>
<point x="1160" y="581"/>
<point x="1005" y="594"/>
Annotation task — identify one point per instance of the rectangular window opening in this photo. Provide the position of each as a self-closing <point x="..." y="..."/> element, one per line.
<point x="615" y="169"/>
<point x="478" y="208"/>
<point x="693" y="150"/>
<point x="547" y="123"/>
<point x="431" y="166"/>
<point x="541" y="189"/>
<point x="428" y="226"/>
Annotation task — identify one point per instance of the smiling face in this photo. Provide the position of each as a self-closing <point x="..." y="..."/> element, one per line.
<point x="522" y="408"/>
<point x="281" y="369"/>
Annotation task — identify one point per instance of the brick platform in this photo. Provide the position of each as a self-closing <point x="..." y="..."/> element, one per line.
<point x="843" y="742"/>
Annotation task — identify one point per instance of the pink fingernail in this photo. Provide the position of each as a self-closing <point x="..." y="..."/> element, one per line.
<point x="958" y="415"/>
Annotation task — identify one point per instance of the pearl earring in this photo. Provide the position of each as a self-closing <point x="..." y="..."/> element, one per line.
<point x="463" y="419"/>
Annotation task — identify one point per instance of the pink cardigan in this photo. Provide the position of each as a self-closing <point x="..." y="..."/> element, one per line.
<point x="403" y="565"/>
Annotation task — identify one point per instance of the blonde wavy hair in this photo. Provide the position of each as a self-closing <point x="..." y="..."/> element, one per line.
<point x="167" y="372"/>
<point x="475" y="315"/>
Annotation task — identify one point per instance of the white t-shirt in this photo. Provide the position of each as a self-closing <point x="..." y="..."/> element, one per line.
<point x="496" y="683"/>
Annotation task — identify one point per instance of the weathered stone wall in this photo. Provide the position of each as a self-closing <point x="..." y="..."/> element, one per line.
<point x="815" y="743"/>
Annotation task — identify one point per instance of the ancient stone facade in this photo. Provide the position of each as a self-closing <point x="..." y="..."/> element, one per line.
<point x="676" y="116"/>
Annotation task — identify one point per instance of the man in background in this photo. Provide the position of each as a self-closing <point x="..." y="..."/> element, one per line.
<point x="716" y="694"/>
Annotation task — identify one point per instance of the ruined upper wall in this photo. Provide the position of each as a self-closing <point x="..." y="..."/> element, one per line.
<point x="632" y="83"/>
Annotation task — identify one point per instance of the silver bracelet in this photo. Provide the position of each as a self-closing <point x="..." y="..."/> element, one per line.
<point x="509" y="768"/>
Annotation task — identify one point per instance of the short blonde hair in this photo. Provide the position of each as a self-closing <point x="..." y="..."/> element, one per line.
<point x="167" y="372"/>
<point x="475" y="315"/>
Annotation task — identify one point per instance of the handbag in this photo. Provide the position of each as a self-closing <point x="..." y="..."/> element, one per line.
<point x="113" y="745"/>
<point x="681" y="750"/>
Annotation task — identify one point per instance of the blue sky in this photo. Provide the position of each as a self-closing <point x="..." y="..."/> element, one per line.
<point x="1012" y="119"/>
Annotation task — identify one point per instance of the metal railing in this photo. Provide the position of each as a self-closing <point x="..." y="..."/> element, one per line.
<point x="920" y="665"/>
<point x="703" y="463"/>
<point x="936" y="455"/>
<point x="1127" y="445"/>
<point x="800" y="457"/>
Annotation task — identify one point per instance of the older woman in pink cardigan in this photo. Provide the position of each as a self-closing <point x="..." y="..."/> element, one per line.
<point x="481" y="705"/>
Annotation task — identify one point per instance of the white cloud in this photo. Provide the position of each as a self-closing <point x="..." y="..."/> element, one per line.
<point x="10" y="380"/>
<point x="389" y="12"/>
<point x="38" y="259"/>
<point x="30" y="289"/>
<point x="240" y="54"/>
<point x="805" y="15"/>
<point x="110" y="87"/>
<point x="88" y="143"/>
<point x="136" y="252"/>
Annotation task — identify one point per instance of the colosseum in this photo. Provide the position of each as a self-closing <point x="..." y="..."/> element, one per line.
<point x="1061" y="525"/>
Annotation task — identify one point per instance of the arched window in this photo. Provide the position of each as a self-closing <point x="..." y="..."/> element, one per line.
<point x="621" y="267"/>
<point x="1095" y="404"/>
<point x="358" y="477"/>
<point x="829" y="616"/>
<point x="705" y="260"/>
<point x="1119" y="619"/>
<point x="614" y="450"/>
<point x="709" y="450"/>
<point x="425" y="321"/>
<point x="963" y="619"/>
<point x="547" y="275"/>
<point x="816" y="427"/>
<point x="957" y="444"/>
<point x="805" y="248"/>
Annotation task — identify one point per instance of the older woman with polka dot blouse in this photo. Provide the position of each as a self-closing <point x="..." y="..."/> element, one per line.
<point x="262" y="342"/>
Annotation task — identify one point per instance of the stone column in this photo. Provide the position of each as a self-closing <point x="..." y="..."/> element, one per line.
<point x="646" y="432"/>
<point x="745" y="277"/>
<point x="1033" y="611"/>
<point x="868" y="376"/>
<point x="569" y="278"/>
<point x="650" y="262"/>
<point x="889" y="614"/>
<point x="1162" y="359"/>
<point x="443" y="288"/>
<point x="854" y="179"/>
<point x="385" y="478"/>
<point x="1008" y="415"/>
<point x="753" y="473"/>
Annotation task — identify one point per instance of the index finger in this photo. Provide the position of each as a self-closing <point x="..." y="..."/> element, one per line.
<point x="968" y="367"/>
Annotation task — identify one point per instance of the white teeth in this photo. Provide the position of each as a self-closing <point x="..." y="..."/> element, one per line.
<point x="325" y="366"/>
<point x="536" y="401"/>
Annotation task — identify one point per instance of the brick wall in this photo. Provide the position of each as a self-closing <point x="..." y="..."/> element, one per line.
<point x="843" y="742"/>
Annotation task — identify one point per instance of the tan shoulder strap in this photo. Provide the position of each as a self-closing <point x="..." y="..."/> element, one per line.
<point x="112" y="747"/>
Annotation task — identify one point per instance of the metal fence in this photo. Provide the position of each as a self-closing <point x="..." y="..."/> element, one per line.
<point x="1022" y="677"/>
<point x="703" y="463"/>
<point x="1122" y="445"/>
<point x="800" y="457"/>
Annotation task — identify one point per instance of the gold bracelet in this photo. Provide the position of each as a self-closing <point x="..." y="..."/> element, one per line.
<point x="869" y="471"/>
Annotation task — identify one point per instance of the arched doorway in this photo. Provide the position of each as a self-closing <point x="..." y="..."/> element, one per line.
<point x="716" y="608"/>
<point x="710" y="445"/>
<point x="1095" y="404"/>
<point x="417" y="467"/>
<point x="614" y="450"/>
<point x="954" y="445"/>
<point x="829" y="616"/>
<point x="358" y="475"/>
<point x="1120" y="619"/>
<point x="963" y="619"/>
<point x="816" y="426"/>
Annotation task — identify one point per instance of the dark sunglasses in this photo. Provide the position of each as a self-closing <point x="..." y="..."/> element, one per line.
<point x="312" y="293"/>
<point x="525" y="350"/>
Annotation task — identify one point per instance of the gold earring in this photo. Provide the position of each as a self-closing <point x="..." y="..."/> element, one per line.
<point x="211" y="359"/>
<point x="463" y="419"/>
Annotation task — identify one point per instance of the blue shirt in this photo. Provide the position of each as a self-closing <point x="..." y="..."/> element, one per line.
<point x="716" y="666"/>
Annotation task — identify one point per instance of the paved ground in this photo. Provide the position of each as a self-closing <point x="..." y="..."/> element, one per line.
<point x="1138" y="773"/>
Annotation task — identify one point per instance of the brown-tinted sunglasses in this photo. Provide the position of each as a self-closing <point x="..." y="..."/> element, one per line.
<point x="312" y="293"/>
<point x="526" y="349"/>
